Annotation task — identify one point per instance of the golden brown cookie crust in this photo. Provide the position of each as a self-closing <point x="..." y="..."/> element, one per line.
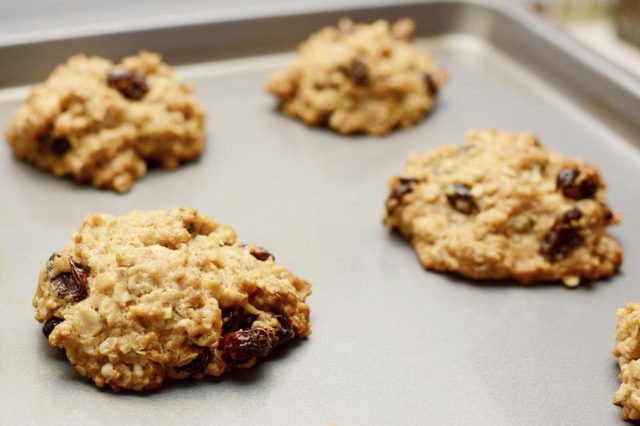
<point x="102" y="123"/>
<point x="627" y="351"/>
<point x="152" y="295"/>
<point x="500" y="207"/>
<point x="359" y="78"/>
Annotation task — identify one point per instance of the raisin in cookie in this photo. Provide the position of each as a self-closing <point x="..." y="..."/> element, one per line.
<point x="359" y="78"/>
<point x="152" y="295"/>
<point x="500" y="207"/>
<point x="102" y="123"/>
<point x="628" y="352"/>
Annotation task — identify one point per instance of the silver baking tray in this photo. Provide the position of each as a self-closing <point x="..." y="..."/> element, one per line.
<point x="392" y="343"/>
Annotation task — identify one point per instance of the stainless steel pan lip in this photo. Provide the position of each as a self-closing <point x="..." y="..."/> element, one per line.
<point x="542" y="29"/>
<point x="256" y="30"/>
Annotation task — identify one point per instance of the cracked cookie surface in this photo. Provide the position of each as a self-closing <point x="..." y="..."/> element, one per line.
<point x="359" y="78"/>
<point x="500" y="207"/>
<point x="103" y="123"/>
<point x="152" y="295"/>
<point x="627" y="350"/>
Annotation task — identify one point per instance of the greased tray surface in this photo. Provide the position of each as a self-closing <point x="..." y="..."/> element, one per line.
<point x="391" y="343"/>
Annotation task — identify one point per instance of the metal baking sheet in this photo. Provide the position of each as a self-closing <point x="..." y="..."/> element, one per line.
<point x="392" y="343"/>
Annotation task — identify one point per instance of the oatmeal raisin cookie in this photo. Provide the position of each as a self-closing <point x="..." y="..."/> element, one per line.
<point x="500" y="207"/>
<point x="359" y="78"/>
<point x="627" y="351"/>
<point x="152" y="295"/>
<point x="103" y="123"/>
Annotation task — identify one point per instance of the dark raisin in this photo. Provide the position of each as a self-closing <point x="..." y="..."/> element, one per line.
<point x="588" y="186"/>
<point x="577" y="185"/>
<point x="607" y="214"/>
<point x="261" y="254"/>
<point x="51" y="260"/>
<point x="50" y="324"/>
<point x="130" y="84"/>
<point x="431" y="85"/>
<point x="285" y="332"/>
<point x="64" y="285"/>
<point x="404" y="186"/>
<point x="358" y="72"/>
<point x="79" y="272"/>
<point x="566" y="178"/>
<point x="71" y="285"/>
<point x="241" y="346"/>
<point x="59" y="145"/>
<point x="199" y="363"/>
<point x="235" y="318"/>
<point x="191" y="228"/>
<point x="572" y="215"/>
<point x="563" y="236"/>
<point x="460" y="198"/>
<point x="56" y="144"/>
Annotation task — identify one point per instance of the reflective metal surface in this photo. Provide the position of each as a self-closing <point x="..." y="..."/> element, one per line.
<point x="391" y="343"/>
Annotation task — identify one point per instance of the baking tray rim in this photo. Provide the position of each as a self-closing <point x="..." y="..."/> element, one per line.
<point x="512" y="10"/>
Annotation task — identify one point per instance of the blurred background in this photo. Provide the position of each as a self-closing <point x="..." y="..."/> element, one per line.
<point x="612" y="27"/>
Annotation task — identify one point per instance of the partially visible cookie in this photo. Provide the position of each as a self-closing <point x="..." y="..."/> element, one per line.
<point x="359" y="78"/>
<point x="627" y="351"/>
<point x="103" y="123"/>
<point x="152" y="295"/>
<point x="500" y="207"/>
